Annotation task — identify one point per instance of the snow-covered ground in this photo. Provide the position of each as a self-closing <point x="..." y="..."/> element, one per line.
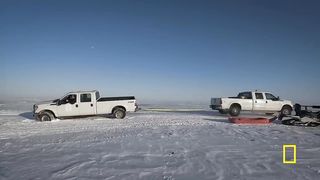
<point x="151" y="144"/>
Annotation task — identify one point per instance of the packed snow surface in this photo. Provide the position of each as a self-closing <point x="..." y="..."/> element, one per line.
<point x="152" y="144"/>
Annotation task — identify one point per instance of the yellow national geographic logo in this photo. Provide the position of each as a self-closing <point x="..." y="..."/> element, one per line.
<point x="284" y="159"/>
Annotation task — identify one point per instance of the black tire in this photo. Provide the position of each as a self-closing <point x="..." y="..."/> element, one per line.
<point x="286" y="110"/>
<point x="46" y="116"/>
<point x="119" y="113"/>
<point x="234" y="110"/>
<point x="222" y="111"/>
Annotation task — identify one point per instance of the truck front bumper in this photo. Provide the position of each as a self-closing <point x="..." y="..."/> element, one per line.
<point x="215" y="107"/>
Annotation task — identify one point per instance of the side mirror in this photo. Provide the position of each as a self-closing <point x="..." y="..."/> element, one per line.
<point x="58" y="102"/>
<point x="278" y="98"/>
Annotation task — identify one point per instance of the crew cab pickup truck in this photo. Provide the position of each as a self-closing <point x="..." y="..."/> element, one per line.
<point x="84" y="103"/>
<point x="251" y="101"/>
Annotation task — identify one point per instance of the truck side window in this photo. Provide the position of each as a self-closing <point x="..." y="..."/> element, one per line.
<point x="72" y="98"/>
<point x="270" y="97"/>
<point x="85" y="97"/>
<point x="97" y="95"/>
<point x="248" y="95"/>
<point x="259" y="95"/>
<point x="245" y="95"/>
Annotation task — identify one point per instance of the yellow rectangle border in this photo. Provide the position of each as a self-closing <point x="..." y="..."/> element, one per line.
<point x="284" y="160"/>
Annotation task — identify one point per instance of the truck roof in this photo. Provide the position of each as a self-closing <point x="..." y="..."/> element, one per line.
<point x="256" y="91"/>
<point x="91" y="91"/>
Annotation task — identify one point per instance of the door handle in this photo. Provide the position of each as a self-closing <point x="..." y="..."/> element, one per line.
<point x="91" y="105"/>
<point x="266" y="101"/>
<point x="76" y="105"/>
<point x="255" y="101"/>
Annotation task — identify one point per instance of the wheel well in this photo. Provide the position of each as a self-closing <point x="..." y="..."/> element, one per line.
<point x="121" y="107"/>
<point x="235" y="104"/>
<point x="48" y="111"/>
<point x="287" y="105"/>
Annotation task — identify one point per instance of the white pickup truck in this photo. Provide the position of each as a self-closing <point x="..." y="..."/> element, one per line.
<point x="251" y="101"/>
<point x="84" y="103"/>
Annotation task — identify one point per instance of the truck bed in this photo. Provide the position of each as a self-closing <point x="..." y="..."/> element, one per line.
<point x="116" y="98"/>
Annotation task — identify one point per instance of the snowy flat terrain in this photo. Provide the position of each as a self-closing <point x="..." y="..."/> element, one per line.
<point x="151" y="144"/>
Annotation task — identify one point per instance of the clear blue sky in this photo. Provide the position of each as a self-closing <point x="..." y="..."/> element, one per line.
<point x="160" y="50"/>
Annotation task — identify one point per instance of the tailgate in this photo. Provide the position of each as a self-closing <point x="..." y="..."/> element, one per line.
<point x="216" y="101"/>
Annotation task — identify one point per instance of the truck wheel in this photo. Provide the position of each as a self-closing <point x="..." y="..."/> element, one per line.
<point x="46" y="116"/>
<point x="119" y="113"/>
<point x="234" y="110"/>
<point x="223" y="111"/>
<point x="286" y="110"/>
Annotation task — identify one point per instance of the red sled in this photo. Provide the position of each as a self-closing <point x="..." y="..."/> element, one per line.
<point x="245" y="120"/>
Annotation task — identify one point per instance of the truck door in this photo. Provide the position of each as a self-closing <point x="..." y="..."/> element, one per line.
<point x="86" y="104"/>
<point x="246" y="100"/>
<point x="259" y="102"/>
<point x="272" y="102"/>
<point x="68" y="106"/>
